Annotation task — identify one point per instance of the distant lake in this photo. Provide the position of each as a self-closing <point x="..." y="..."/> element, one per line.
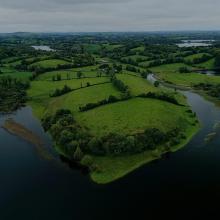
<point x="209" y="72"/>
<point x="45" y="48"/>
<point x="195" y="43"/>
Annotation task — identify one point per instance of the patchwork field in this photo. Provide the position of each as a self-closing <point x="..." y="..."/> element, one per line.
<point x="104" y="114"/>
<point x="188" y="79"/>
<point x="49" y="63"/>
<point x="70" y="73"/>
<point x="81" y="97"/>
<point x="195" y="56"/>
<point x="134" y="116"/>
<point x="7" y="71"/>
<point x="136" y="84"/>
<point x="210" y="64"/>
<point x="169" y="68"/>
<point x="40" y="91"/>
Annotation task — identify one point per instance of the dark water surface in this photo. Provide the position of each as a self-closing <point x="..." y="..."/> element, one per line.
<point x="181" y="185"/>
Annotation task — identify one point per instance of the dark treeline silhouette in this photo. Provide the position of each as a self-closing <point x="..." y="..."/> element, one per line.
<point x="12" y="94"/>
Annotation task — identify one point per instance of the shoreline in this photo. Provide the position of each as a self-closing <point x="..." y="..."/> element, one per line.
<point x="20" y="131"/>
<point x="147" y="157"/>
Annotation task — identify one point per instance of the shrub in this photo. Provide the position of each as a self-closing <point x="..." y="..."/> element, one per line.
<point x="119" y="84"/>
<point x="65" y="137"/>
<point x="78" y="155"/>
<point x="95" y="146"/>
<point x="87" y="161"/>
<point x="71" y="147"/>
<point x="184" y="70"/>
<point x="156" y="83"/>
<point x="161" y="96"/>
<point x="59" y="92"/>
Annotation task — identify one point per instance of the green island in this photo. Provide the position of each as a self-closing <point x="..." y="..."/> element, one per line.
<point x="93" y="96"/>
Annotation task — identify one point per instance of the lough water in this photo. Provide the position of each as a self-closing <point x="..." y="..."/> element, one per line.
<point x="210" y="72"/>
<point x="195" y="43"/>
<point x="45" y="48"/>
<point x="181" y="185"/>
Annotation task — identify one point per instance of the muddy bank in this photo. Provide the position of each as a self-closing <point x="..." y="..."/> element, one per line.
<point x="19" y="130"/>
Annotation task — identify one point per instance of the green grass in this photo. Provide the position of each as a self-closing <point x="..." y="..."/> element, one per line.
<point x="195" y="56"/>
<point x="113" y="168"/>
<point x="136" y="85"/>
<point x="92" y="48"/>
<point x="49" y="63"/>
<point x="126" y="117"/>
<point x="81" y="97"/>
<point x="188" y="79"/>
<point x="168" y="68"/>
<point x="134" y="116"/>
<point x="138" y="49"/>
<point x="170" y="73"/>
<point x="111" y="47"/>
<point x="136" y="57"/>
<point x="86" y="71"/>
<point x="40" y="90"/>
<point x="145" y="63"/>
<point x="22" y="75"/>
<point x="9" y="59"/>
<point x="210" y="64"/>
<point x="15" y="63"/>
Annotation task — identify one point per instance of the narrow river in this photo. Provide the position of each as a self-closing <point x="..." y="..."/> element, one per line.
<point x="180" y="184"/>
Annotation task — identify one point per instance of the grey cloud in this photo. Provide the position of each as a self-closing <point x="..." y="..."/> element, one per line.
<point x="108" y="15"/>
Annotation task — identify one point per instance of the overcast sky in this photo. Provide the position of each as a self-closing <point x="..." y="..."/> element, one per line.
<point x="108" y="15"/>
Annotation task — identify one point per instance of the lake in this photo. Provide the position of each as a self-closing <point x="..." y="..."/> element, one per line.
<point x="209" y="72"/>
<point x="195" y="43"/>
<point x="181" y="184"/>
<point x="45" y="48"/>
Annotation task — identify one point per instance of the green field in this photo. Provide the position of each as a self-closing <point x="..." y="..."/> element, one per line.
<point x="138" y="49"/>
<point x="7" y="71"/>
<point x="91" y="93"/>
<point x="111" y="47"/>
<point x="169" y="68"/>
<point x="210" y="64"/>
<point x="136" y="84"/>
<point x="170" y="74"/>
<point x="145" y="63"/>
<point x="195" y="56"/>
<point x="113" y="168"/>
<point x="134" y="116"/>
<point x="81" y="97"/>
<point x="136" y="58"/>
<point x="40" y="90"/>
<point x="188" y="79"/>
<point x="71" y="73"/>
<point x="95" y="118"/>
<point x="49" y="63"/>
<point x="126" y="117"/>
<point x="92" y="48"/>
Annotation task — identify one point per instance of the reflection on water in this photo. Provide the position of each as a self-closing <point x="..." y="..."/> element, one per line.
<point x="181" y="184"/>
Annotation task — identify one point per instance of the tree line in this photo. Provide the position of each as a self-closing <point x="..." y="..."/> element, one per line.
<point x="12" y="94"/>
<point x="76" y="141"/>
